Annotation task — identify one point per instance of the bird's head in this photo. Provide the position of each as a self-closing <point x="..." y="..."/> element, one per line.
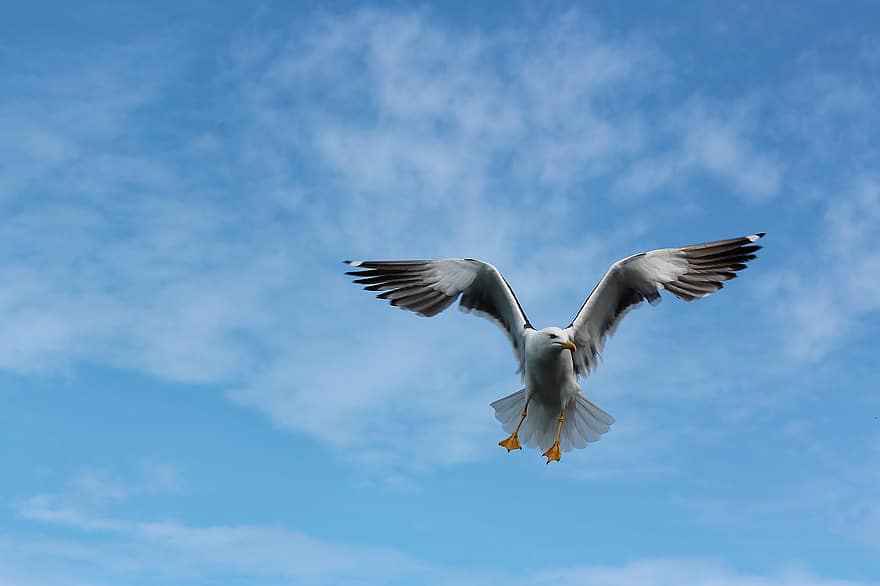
<point x="557" y="338"/>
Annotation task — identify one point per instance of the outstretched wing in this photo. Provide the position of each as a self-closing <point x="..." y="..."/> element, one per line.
<point x="688" y="273"/>
<point x="427" y="287"/>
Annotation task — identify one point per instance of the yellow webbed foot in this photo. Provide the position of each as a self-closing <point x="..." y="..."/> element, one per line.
<point x="511" y="443"/>
<point x="553" y="454"/>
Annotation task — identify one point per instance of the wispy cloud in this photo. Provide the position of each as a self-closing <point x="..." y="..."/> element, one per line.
<point x="839" y="501"/>
<point x="163" y="553"/>
<point x="91" y="490"/>
<point x="381" y="133"/>
<point x="419" y="120"/>
<point x="826" y="299"/>
<point x="167" y="551"/>
<point x="680" y="572"/>
<point x="170" y="551"/>
<point x="99" y="486"/>
<point x="111" y="546"/>
<point x="707" y="138"/>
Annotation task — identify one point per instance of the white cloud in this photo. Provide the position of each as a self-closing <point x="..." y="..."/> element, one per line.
<point x="57" y="510"/>
<point x="837" y="505"/>
<point x="169" y="551"/>
<point x="821" y="297"/>
<point x="718" y="144"/>
<point x="374" y="133"/>
<point x="679" y="572"/>
<point x="99" y="486"/>
<point x="123" y="549"/>
<point x="129" y="271"/>
<point x="92" y="489"/>
<point x="708" y="138"/>
<point x="418" y="121"/>
<point x="159" y="477"/>
<point x="113" y="550"/>
<point x="59" y="117"/>
<point x="827" y="298"/>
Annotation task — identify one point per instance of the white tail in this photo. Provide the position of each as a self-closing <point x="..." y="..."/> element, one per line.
<point x="585" y="422"/>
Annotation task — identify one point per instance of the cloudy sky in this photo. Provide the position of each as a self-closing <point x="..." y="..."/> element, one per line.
<point x="193" y="393"/>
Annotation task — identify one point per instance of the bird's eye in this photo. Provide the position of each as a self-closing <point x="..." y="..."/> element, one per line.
<point x="554" y="336"/>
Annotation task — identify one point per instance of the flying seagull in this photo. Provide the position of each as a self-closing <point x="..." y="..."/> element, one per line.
<point x="551" y="413"/>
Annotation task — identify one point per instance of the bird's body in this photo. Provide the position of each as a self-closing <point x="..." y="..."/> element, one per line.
<point x="549" y="374"/>
<point x="551" y="389"/>
<point x="551" y="412"/>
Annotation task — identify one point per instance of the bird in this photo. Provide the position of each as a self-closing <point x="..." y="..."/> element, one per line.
<point x="551" y="412"/>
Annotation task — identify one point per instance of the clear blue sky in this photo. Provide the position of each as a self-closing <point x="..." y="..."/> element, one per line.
<point x="193" y="393"/>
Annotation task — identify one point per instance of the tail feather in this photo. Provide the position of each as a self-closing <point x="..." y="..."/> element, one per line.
<point x="597" y="412"/>
<point x="596" y="420"/>
<point x="583" y="425"/>
<point x="572" y="437"/>
<point x="585" y="422"/>
<point x="507" y="409"/>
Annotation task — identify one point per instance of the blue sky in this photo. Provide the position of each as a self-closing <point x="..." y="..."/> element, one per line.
<point x="193" y="393"/>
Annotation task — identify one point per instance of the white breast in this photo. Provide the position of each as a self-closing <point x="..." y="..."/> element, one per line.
<point x="549" y="372"/>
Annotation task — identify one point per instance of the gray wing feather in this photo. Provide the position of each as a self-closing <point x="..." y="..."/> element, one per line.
<point x="427" y="287"/>
<point x="689" y="273"/>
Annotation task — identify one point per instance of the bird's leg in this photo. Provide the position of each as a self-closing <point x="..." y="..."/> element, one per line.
<point x="512" y="443"/>
<point x="553" y="452"/>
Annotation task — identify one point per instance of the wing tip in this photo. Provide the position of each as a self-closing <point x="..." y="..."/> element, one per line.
<point x="756" y="236"/>
<point x="354" y="263"/>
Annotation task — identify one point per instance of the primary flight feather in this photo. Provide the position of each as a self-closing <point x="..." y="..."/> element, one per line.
<point x="551" y="412"/>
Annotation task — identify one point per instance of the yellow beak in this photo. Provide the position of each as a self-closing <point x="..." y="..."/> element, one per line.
<point x="569" y="345"/>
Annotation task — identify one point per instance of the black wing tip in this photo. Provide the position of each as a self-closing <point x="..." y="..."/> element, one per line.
<point x="756" y="236"/>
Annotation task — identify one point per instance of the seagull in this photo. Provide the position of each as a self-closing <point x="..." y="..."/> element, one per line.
<point x="550" y="412"/>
